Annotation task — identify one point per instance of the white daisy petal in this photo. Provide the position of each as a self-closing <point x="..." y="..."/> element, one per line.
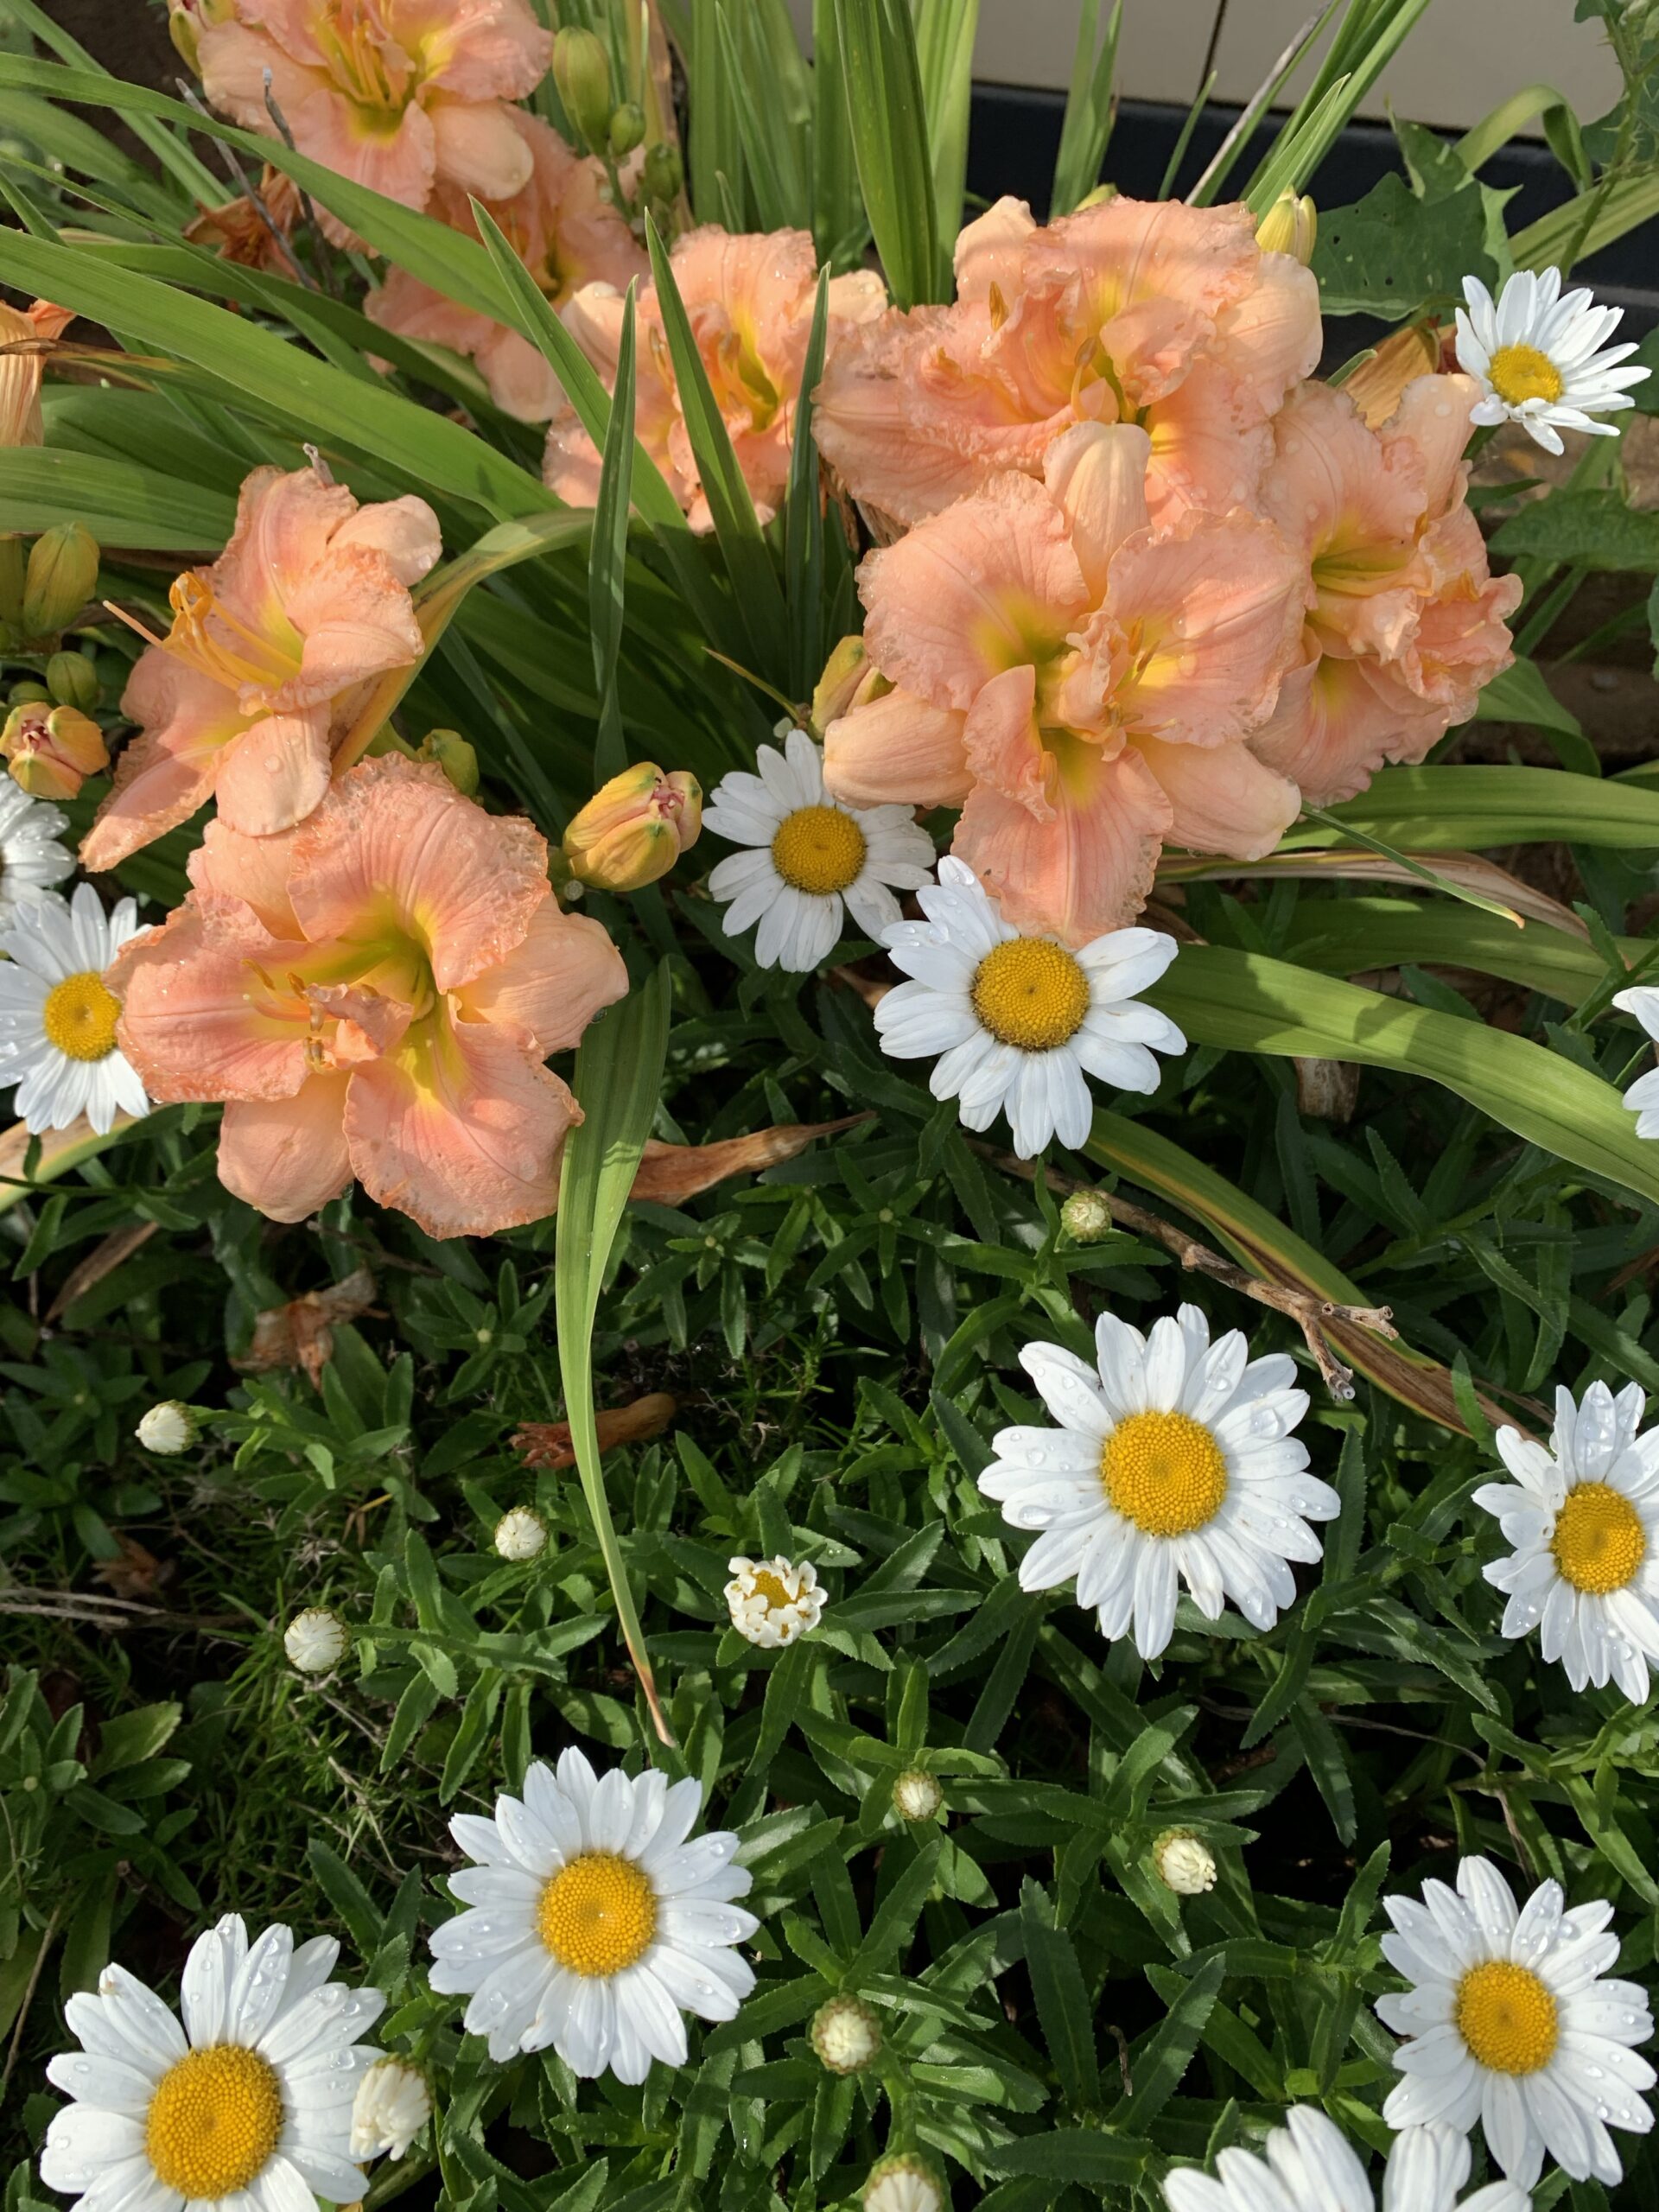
<point x="57" y="1017"/>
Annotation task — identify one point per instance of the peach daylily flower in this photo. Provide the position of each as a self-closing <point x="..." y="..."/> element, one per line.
<point x="258" y="676"/>
<point x="373" y="994"/>
<point x="749" y="300"/>
<point x="1407" y="622"/>
<point x="1135" y="311"/>
<point x="1082" y="686"/>
<point x="400" y="95"/>
<point x="565" y="234"/>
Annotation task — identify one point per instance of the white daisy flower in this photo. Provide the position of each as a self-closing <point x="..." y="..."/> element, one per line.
<point x="809" y="856"/>
<point x="1020" y="1022"/>
<point x="1511" y="2023"/>
<point x="58" y="1015"/>
<point x="31" y="859"/>
<point x="1173" y="1462"/>
<point x="1583" y="1516"/>
<point x="1539" y="358"/>
<point x="392" y="2105"/>
<point x="1310" y="2166"/>
<point x="597" y="1922"/>
<point x="1642" y="1000"/>
<point x="249" y="2105"/>
<point x="772" y="1602"/>
<point x="521" y="1534"/>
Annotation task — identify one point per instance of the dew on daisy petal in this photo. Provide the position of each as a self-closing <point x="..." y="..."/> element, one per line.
<point x="1310" y="2166"/>
<point x="59" y="1015"/>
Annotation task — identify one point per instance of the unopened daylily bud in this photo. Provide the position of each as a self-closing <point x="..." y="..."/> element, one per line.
<point x="1378" y="384"/>
<point x="664" y="172"/>
<point x="1290" y="225"/>
<point x="845" y="2033"/>
<point x="455" y="756"/>
<point x="1184" y="1863"/>
<point x="850" y="677"/>
<point x="1086" y="1218"/>
<point x="582" y="73"/>
<point x="184" y="21"/>
<point x="61" y="576"/>
<point x="21" y="372"/>
<point x="169" y="1427"/>
<point x="73" y="681"/>
<point x="13" y="563"/>
<point x="634" y="829"/>
<point x="628" y="128"/>
<point x="917" y="1795"/>
<point x="50" y="750"/>
<point x="1098" y="197"/>
<point x="26" y="691"/>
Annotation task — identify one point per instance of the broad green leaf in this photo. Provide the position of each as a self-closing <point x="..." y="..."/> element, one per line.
<point x="877" y="44"/>
<point x="1459" y="809"/>
<point x="944" y="53"/>
<point x="121" y="503"/>
<point x="1348" y="937"/>
<point x="1585" y="529"/>
<point x="1062" y="1995"/>
<point x="1086" y="127"/>
<point x="1392" y="254"/>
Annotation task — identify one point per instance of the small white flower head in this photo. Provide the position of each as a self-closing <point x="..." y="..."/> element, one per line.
<point x="807" y="857"/>
<point x="593" y="1922"/>
<point x="393" y="2103"/>
<point x="316" y="1640"/>
<point x="917" y="1795"/>
<point x="1539" y="359"/>
<point x="1174" y="1461"/>
<point x="1310" y="2166"/>
<point x="1642" y="1000"/>
<point x="1016" y="1025"/>
<point x="58" y="1014"/>
<point x="905" y="2182"/>
<point x="772" y="1601"/>
<point x="167" y="1428"/>
<point x="1184" y="1863"/>
<point x="1086" y="1216"/>
<point x="31" y="859"/>
<point x="521" y="1534"/>
<point x="845" y="2033"/>
<point x="1582" y="1514"/>
<point x="248" y="2105"/>
<point x="1509" y="2022"/>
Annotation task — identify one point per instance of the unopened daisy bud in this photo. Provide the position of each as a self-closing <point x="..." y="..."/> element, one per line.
<point x="521" y="1534"/>
<point x="392" y="2105"/>
<point x="167" y="1428"/>
<point x="1184" y="1863"/>
<point x="582" y="73"/>
<point x="1086" y="1216"/>
<point x="850" y="677"/>
<point x="457" y="758"/>
<point x="316" y="1640"/>
<point x="1290" y="225"/>
<point x="845" y="2033"/>
<point x="772" y="1601"/>
<point x="61" y="576"/>
<point x="917" y="1795"/>
<point x="634" y="827"/>
<point x="50" y="750"/>
<point x="73" y="681"/>
<point x="904" y="2182"/>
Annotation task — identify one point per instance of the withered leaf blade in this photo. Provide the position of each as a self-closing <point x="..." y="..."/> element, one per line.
<point x="104" y="1258"/>
<point x="547" y="1443"/>
<point x="302" y="1333"/>
<point x="671" y="1172"/>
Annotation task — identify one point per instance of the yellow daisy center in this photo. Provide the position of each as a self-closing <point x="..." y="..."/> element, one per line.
<point x="818" y="849"/>
<point x="80" y="1017"/>
<point x="213" y="2122"/>
<point x="1518" y="373"/>
<point x="767" y="1586"/>
<point x="597" y="1915"/>
<point x="1030" y="992"/>
<point x="1506" y="2018"/>
<point x="1164" y="1472"/>
<point x="1599" y="1540"/>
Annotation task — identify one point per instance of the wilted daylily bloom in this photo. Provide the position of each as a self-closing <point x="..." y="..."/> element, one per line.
<point x="566" y="234"/>
<point x="245" y="696"/>
<point x="1406" y="622"/>
<point x="1133" y="311"/>
<point x="1082" y="688"/>
<point x="21" y="372"/>
<point x="374" y="995"/>
<point x="400" y="95"/>
<point x="749" y="300"/>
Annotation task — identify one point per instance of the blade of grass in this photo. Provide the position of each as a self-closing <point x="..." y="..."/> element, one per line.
<point x="890" y="144"/>
<point x="1184" y="139"/>
<point x="1221" y="163"/>
<point x="1086" y="130"/>
<point x="608" y="562"/>
<point x="803" y="517"/>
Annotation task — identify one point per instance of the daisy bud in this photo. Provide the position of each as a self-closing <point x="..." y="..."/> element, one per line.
<point x="73" y="681"/>
<point x="51" y="751"/>
<point x="582" y="73"/>
<point x="1086" y="1216"/>
<point x="917" y="1795"/>
<point x="392" y="2105"/>
<point x="521" y="1534"/>
<point x="61" y="576"/>
<point x="1290" y="225"/>
<point x="1184" y="1863"/>
<point x="316" y="1640"/>
<point x="904" y="2182"/>
<point x="634" y="827"/>
<point x="627" y="129"/>
<point x="850" y="677"/>
<point x="457" y="758"/>
<point x="772" y="1602"/>
<point x="845" y="2033"/>
<point x="168" y="1428"/>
